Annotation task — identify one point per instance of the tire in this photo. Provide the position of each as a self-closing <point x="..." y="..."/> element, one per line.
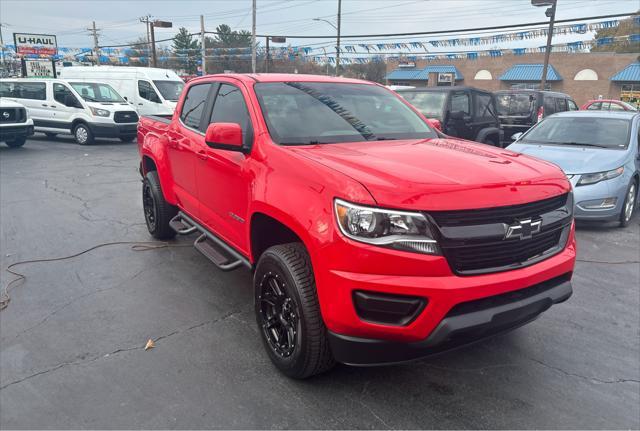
<point x="50" y="135"/>
<point x="83" y="134"/>
<point x="491" y="141"/>
<point x="157" y="211"/>
<point x="16" y="143"/>
<point x="306" y="351"/>
<point x="128" y="138"/>
<point x="630" y="203"/>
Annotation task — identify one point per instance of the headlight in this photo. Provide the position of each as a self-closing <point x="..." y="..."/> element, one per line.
<point x="600" y="176"/>
<point x="99" y="112"/>
<point x="386" y="228"/>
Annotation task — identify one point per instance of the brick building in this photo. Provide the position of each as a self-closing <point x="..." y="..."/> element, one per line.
<point x="583" y="76"/>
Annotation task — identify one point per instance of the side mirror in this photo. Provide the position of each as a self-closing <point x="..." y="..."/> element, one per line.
<point x="224" y="136"/>
<point x="516" y="136"/>
<point x="456" y="115"/>
<point x="71" y="101"/>
<point x="436" y="124"/>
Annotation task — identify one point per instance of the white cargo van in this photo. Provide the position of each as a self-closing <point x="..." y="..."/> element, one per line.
<point x="151" y="91"/>
<point x="86" y="110"/>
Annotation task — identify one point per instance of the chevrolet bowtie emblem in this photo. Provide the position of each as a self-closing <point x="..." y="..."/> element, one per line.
<point x="523" y="229"/>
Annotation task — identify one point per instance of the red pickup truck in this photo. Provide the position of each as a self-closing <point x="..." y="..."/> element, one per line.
<point x="372" y="238"/>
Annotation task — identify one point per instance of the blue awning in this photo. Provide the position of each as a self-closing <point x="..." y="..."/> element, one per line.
<point x="631" y="73"/>
<point x="529" y="72"/>
<point x="422" y="74"/>
<point x="403" y="74"/>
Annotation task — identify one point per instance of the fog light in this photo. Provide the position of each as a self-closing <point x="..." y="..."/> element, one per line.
<point x="599" y="204"/>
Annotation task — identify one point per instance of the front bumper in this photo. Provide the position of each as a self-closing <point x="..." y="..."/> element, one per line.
<point x="465" y="324"/>
<point x="10" y="133"/>
<point x="106" y="130"/>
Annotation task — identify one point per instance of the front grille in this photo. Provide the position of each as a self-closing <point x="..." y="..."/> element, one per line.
<point x="506" y="214"/>
<point x="12" y="115"/>
<point x="125" y="117"/>
<point x="472" y="242"/>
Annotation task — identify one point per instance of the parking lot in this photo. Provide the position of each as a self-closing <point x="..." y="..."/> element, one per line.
<point x="72" y="338"/>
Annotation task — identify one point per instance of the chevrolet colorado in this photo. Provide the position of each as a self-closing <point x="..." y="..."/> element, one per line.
<point x="372" y="238"/>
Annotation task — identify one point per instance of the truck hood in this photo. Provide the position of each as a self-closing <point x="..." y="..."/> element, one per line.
<point x="574" y="159"/>
<point x="440" y="174"/>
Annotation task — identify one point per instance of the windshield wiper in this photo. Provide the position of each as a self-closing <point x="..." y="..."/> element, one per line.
<point x="579" y="143"/>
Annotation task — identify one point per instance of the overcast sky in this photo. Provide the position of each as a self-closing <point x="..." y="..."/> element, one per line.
<point x="119" y="19"/>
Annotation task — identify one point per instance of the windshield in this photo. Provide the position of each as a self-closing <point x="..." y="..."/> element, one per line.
<point x="94" y="92"/>
<point x="586" y="131"/>
<point x="515" y="103"/>
<point x="299" y="113"/>
<point x="170" y="90"/>
<point x="430" y="103"/>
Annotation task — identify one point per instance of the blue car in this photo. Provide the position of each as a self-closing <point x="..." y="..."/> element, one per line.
<point x="598" y="151"/>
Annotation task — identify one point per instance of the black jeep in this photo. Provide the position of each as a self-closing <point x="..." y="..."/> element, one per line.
<point x="463" y="112"/>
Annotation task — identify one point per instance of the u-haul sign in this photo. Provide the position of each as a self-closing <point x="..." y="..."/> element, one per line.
<point x="44" y="45"/>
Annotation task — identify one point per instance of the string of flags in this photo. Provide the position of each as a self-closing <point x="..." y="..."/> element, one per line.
<point x="376" y="51"/>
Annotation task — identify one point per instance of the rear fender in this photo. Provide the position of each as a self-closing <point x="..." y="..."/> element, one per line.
<point x="154" y="146"/>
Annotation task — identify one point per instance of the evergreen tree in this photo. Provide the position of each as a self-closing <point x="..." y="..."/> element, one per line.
<point x="187" y="48"/>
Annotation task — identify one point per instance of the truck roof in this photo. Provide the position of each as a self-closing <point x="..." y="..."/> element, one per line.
<point x="284" y="77"/>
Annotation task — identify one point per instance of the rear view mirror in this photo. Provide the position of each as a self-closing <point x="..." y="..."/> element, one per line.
<point x="516" y="136"/>
<point x="224" y="136"/>
<point x="71" y="101"/>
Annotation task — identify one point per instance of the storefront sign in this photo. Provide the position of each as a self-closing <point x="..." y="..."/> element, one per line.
<point x="44" y="45"/>
<point x="446" y="78"/>
<point x="38" y="68"/>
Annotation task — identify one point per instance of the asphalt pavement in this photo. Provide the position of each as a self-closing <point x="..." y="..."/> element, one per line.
<point x="72" y="338"/>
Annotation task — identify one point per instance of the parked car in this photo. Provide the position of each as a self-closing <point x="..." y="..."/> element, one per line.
<point x="371" y="238"/>
<point x="15" y="124"/>
<point x="520" y="109"/>
<point x="608" y="105"/>
<point x="86" y="110"/>
<point x="463" y="112"/>
<point x="599" y="153"/>
<point x="152" y="91"/>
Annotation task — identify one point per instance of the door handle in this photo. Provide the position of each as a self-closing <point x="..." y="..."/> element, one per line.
<point x="44" y="104"/>
<point x="140" y="104"/>
<point x="202" y="155"/>
<point x="53" y="106"/>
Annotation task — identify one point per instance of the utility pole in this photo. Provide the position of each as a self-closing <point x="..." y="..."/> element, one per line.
<point x="202" y="42"/>
<point x="338" y="41"/>
<point x="96" y="48"/>
<point x="147" y="21"/>
<point x="266" y="61"/>
<point x="2" y="52"/>
<point x="253" y="38"/>
<point x="551" y="13"/>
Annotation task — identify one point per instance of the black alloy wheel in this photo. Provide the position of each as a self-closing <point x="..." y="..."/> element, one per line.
<point x="279" y="314"/>
<point x="149" y="206"/>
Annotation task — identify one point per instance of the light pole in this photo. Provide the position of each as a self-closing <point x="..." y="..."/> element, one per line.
<point x="337" y="28"/>
<point x="551" y="13"/>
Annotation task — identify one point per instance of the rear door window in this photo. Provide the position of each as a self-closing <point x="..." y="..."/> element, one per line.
<point x="594" y="106"/>
<point x="549" y="106"/>
<point x="483" y="106"/>
<point x="460" y="102"/>
<point x="561" y="105"/>
<point x="194" y="104"/>
<point x="572" y="105"/>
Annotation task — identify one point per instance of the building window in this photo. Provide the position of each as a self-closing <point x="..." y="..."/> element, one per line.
<point x="483" y="75"/>
<point x="630" y="93"/>
<point x="586" y="75"/>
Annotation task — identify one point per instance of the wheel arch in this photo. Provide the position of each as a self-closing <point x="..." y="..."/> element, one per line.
<point x="487" y="132"/>
<point x="268" y="228"/>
